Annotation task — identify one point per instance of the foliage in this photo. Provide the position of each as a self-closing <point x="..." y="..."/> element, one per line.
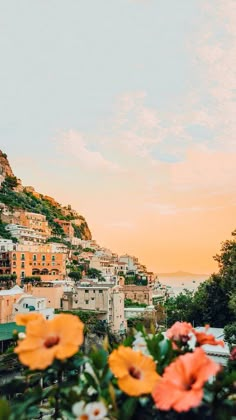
<point x="87" y="376"/>
<point x="89" y="250"/>
<point x="230" y="333"/>
<point x="214" y="302"/>
<point x="6" y="277"/>
<point x="135" y="279"/>
<point x="27" y="201"/>
<point x="31" y="279"/>
<point x="80" y="231"/>
<point x="75" y="275"/>
<point x="3" y="232"/>
<point x="129" y="303"/>
<point x="93" y="273"/>
<point x="10" y="182"/>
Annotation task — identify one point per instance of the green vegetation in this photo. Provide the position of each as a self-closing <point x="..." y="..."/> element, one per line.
<point x="135" y="279"/>
<point x="27" y="201"/>
<point x="7" y="281"/>
<point x="3" y="232"/>
<point x="32" y="279"/>
<point x="80" y="231"/>
<point x="93" y="273"/>
<point x="129" y="303"/>
<point x="89" y="250"/>
<point x="75" y="275"/>
<point x="214" y="302"/>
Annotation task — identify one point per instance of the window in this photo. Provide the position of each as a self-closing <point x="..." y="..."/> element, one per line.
<point x="53" y="257"/>
<point x="86" y="291"/>
<point x="22" y="256"/>
<point x="22" y="265"/>
<point x="7" y="302"/>
<point x="87" y="301"/>
<point x="100" y="291"/>
<point x="14" y="264"/>
<point x="22" y="274"/>
<point x="43" y="258"/>
<point x="14" y="256"/>
<point x="34" y="257"/>
<point x="92" y="298"/>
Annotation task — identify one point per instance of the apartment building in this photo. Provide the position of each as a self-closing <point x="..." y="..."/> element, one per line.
<point x="37" y="222"/>
<point x="44" y="261"/>
<point x="25" y="234"/>
<point x="105" y="265"/>
<point x="106" y="301"/>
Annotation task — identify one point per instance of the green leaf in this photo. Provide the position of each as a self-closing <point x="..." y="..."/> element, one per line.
<point x="128" y="408"/>
<point x="99" y="358"/>
<point x="4" y="410"/>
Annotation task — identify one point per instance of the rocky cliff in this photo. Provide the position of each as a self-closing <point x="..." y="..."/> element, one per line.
<point x="14" y="196"/>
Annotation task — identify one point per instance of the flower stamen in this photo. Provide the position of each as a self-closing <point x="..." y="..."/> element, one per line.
<point x="135" y="373"/>
<point x="51" y="342"/>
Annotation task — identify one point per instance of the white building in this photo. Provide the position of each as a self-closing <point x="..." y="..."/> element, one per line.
<point x="132" y="262"/>
<point x="7" y="245"/>
<point x="24" y="234"/>
<point x="28" y="304"/>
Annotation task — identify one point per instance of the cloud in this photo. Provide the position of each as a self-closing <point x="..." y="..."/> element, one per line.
<point x="73" y="144"/>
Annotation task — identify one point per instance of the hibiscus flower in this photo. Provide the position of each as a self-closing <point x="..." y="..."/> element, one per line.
<point x="180" y="332"/>
<point x="181" y="387"/>
<point x="23" y="319"/>
<point x="58" y="338"/>
<point x="204" y="338"/>
<point x="136" y="372"/>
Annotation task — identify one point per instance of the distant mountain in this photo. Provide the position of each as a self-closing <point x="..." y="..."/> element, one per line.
<point x="15" y="197"/>
<point x="182" y="274"/>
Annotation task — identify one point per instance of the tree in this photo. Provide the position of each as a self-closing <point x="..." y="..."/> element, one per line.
<point x="10" y="182"/>
<point x="75" y="275"/>
<point x="180" y="308"/>
<point x="93" y="273"/>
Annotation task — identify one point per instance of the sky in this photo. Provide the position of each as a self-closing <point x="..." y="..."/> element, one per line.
<point x="125" y="109"/>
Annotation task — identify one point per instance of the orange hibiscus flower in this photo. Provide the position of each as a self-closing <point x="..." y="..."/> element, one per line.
<point x="23" y="319"/>
<point x="136" y="372"/>
<point x="203" y="338"/>
<point x="181" y="387"/>
<point x="45" y="341"/>
<point x="180" y="332"/>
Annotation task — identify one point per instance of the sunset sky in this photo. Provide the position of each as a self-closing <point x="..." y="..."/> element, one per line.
<point x="125" y="109"/>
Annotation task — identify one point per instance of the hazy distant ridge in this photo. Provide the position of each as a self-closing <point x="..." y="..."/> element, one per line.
<point x="182" y="274"/>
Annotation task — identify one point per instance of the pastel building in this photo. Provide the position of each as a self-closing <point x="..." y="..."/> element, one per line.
<point x="43" y="260"/>
<point x="103" y="264"/>
<point x="51" y="291"/>
<point x="106" y="301"/>
<point x="140" y="294"/>
<point x="7" y="300"/>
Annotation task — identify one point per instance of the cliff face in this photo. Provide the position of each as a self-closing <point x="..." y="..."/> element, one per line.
<point x="5" y="168"/>
<point x="18" y="197"/>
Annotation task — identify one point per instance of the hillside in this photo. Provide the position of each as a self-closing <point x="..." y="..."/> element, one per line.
<point x="14" y="196"/>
